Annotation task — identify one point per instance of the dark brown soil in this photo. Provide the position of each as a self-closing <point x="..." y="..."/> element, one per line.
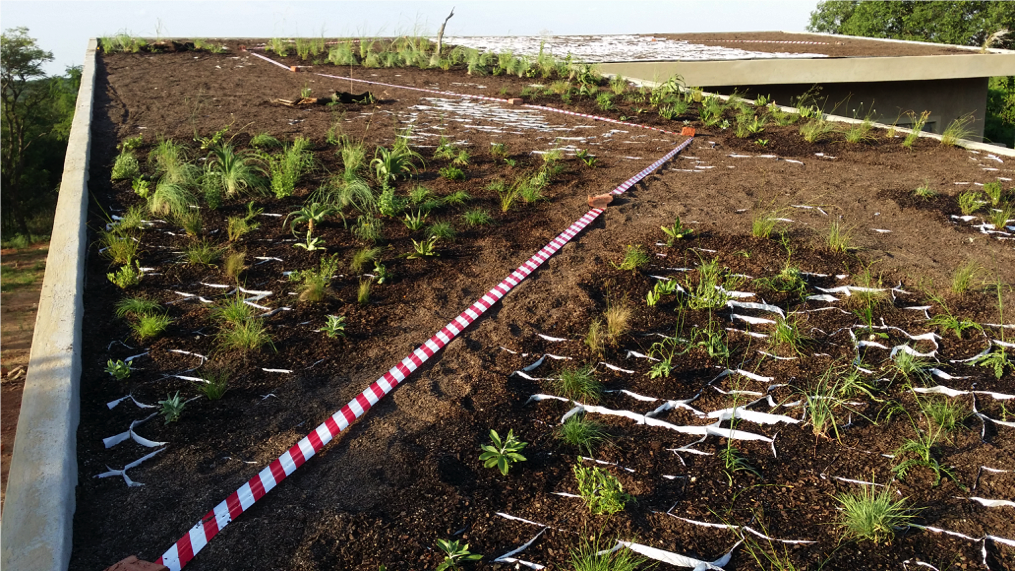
<point x="408" y="473"/>
<point x="833" y="46"/>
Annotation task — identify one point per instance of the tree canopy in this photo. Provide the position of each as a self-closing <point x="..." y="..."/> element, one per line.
<point x="959" y="23"/>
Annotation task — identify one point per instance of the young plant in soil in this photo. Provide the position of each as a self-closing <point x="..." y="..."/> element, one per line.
<point x="949" y="322"/>
<point x="579" y="385"/>
<point x="202" y="253"/>
<point x="314" y="282"/>
<point x="363" y="293"/>
<point x="872" y="515"/>
<point x="962" y="278"/>
<point x="442" y="230"/>
<point x="970" y="201"/>
<point x="921" y="453"/>
<point x="286" y="168"/>
<point x="335" y="326"/>
<point x="839" y="237"/>
<point x="235" y="265"/>
<point x="502" y="453"/>
<point x="246" y="336"/>
<point x="126" y="167"/>
<point x="424" y="249"/>
<point x="595" y="339"/>
<point x="127" y="276"/>
<point x="591" y="555"/>
<point x="172" y="407"/>
<point x="618" y="317"/>
<point x="363" y="258"/>
<point x="910" y="367"/>
<point x="218" y="382"/>
<point x="998" y="358"/>
<point x="675" y="232"/>
<point x="957" y="130"/>
<point x="582" y="433"/>
<point x="787" y="334"/>
<point x="477" y="217"/>
<point x="454" y="554"/>
<point x="602" y="491"/>
<point x="231" y="172"/>
<point x="994" y="192"/>
<point x="918" y="122"/>
<point x="659" y="289"/>
<point x="711" y="291"/>
<point x="925" y="192"/>
<point x="118" y="248"/>
<point x="149" y="326"/>
<point x="118" y="369"/>
<point x="415" y="221"/>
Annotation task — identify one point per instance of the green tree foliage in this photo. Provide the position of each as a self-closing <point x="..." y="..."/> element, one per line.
<point x="37" y="112"/>
<point x="960" y="23"/>
<point x="957" y="23"/>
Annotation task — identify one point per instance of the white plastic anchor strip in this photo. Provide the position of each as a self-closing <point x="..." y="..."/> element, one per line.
<point x="123" y="472"/>
<point x="674" y="558"/>
<point x="745" y="528"/>
<point x="129" y="434"/>
<point x="993" y="503"/>
<point x="509" y="556"/>
<point x="139" y="404"/>
<point x="615" y="368"/>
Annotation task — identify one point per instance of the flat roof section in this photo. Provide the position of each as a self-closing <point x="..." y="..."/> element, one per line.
<point x="826" y="44"/>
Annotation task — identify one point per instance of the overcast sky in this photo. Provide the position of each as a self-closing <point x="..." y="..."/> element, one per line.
<point x="64" y="27"/>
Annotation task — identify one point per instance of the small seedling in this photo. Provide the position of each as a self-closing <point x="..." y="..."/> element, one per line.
<point x="595" y="339"/>
<point x="172" y="407"/>
<point x="442" y="230"/>
<point x="917" y="127"/>
<point x="765" y="224"/>
<point x="734" y="462"/>
<point x="592" y="555"/>
<point x="602" y="491"/>
<point x="584" y="156"/>
<point x="675" y="232"/>
<point x="245" y="336"/>
<point x="963" y="277"/>
<point x="127" y="276"/>
<point x="502" y="453"/>
<point x="925" y="192"/>
<point x="363" y="293"/>
<point x="335" y="326"/>
<point x="994" y="192"/>
<point x="454" y="553"/>
<point x="948" y="322"/>
<point x="839" y="237"/>
<point x="452" y="173"/>
<point x="415" y="221"/>
<point x="119" y="369"/>
<point x="217" y="385"/>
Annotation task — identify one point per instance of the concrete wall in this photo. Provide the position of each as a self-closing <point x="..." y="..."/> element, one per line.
<point x="39" y="509"/>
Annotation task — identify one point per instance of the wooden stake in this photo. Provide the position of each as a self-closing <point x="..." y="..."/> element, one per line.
<point x="440" y="39"/>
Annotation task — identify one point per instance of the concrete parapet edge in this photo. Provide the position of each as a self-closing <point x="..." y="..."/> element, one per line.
<point x="38" y="517"/>
<point x="964" y="143"/>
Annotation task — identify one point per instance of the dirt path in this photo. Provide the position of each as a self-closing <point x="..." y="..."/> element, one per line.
<point x="21" y="283"/>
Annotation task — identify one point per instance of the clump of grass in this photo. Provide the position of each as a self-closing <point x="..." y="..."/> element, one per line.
<point x="169" y="198"/>
<point x="960" y="128"/>
<point x="711" y="291"/>
<point x="477" y="217"/>
<point x="909" y="366"/>
<point x="135" y="306"/>
<point x="579" y="384"/>
<point x="859" y="132"/>
<point x="618" y="320"/>
<point x="362" y="259"/>
<point x="995" y="192"/>
<point x="233" y="311"/>
<point x="119" y="249"/>
<point x="944" y="413"/>
<point x="191" y="222"/>
<point x="246" y="336"/>
<point x="764" y="224"/>
<point x="839" y="237"/>
<point x="149" y="326"/>
<point x="595" y="339"/>
<point x="999" y="217"/>
<point x="218" y="382"/>
<point x="918" y="122"/>
<point x="202" y="253"/>
<point x="872" y="514"/>
<point x="235" y="265"/>
<point x="817" y="129"/>
<point x="442" y="230"/>
<point x="264" y="141"/>
<point x="962" y="279"/>
<point x="635" y="258"/>
<point x="592" y="555"/>
<point x="363" y="293"/>
<point x="286" y="168"/>
<point x="583" y="434"/>
<point x="787" y="333"/>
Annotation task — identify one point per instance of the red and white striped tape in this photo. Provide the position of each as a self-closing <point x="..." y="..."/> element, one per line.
<point x="239" y="501"/>
<point x="482" y="97"/>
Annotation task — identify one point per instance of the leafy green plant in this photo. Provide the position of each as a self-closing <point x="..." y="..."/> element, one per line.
<point x="477" y="217"/>
<point x="994" y="192"/>
<point x="872" y="514"/>
<point x="127" y="276"/>
<point x="970" y="201"/>
<point x="141" y="187"/>
<point x="388" y="165"/>
<point x="949" y="322"/>
<point x="131" y="143"/>
<point x="582" y="433"/>
<point x="925" y="192"/>
<point x="424" y="249"/>
<point x="676" y="232"/>
<point x="635" y="258"/>
<point x="602" y="491"/>
<point x="579" y="385"/>
<point x="118" y="369"/>
<point x="457" y="198"/>
<point x="415" y="221"/>
<point x="264" y="140"/>
<point x="311" y="243"/>
<point x="286" y="168"/>
<point x="452" y="173"/>
<point x="584" y="156"/>
<point x="909" y="366"/>
<point x="335" y="326"/>
<point x="172" y="407"/>
<point x="921" y="454"/>
<point x="126" y="167"/>
<point x="454" y="554"/>
<point x="712" y="289"/>
<point x="389" y="204"/>
<point x="314" y="282"/>
<point x="502" y="453"/>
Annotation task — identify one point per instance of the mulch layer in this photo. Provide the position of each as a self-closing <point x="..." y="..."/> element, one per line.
<point x="408" y="473"/>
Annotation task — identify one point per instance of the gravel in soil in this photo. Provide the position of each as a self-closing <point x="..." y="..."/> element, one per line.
<point x="408" y="473"/>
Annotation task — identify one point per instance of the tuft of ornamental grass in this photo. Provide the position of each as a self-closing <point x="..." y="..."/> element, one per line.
<point x="944" y="413"/>
<point x="477" y="217"/>
<point x="235" y="265"/>
<point x="960" y="128"/>
<point x="442" y="230"/>
<point x="999" y="217"/>
<point x="169" y="198"/>
<point x="363" y="259"/>
<point x="172" y="165"/>
<point x="995" y="192"/>
<point x="133" y="219"/>
<point x="962" y="279"/>
<point x="579" y="384"/>
<point x="235" y="171"/>
<point x="764" y="224"/>
<point x="595" y="339"/>
<point x="457" y="198"/>
<point x="245" y="336"/>
<point x="264" y="141"/>
<point x="191" y="222"/>
<point x="635" y="258"/>
<point x="117" y="248"/>
<point x="787" y="333"/>
<point x="583" y="434"/>
<point x="618" y="318"/>
<point x="363" y="293"/>
<point x="233" y="311"/>
<point x="592" y="555"/>
<point x="218" y="382"/>
<point x="917" y="127"/>
<point x="202" y="253"/>
<point x="238" y="226"/>
<point x="839" y="237"/>
<point x="872" y="514"/>
<point x="817" y="130"/>
<point x="314" y="282"/>
<point x="149" y="326"/>
<point x="909" y="366"/>
<point x="135" y="306"/>
<point x="859" y="132"/>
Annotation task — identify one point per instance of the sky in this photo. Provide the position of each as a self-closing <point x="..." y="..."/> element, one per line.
<point x="64" y="27"/>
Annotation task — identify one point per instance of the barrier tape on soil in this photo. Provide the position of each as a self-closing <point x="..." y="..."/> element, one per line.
<point x="470" y="96"/>
<point x="257" y="487"/>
